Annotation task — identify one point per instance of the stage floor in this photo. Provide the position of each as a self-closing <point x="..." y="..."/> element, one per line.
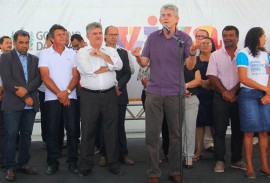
<point x="202" y="171"/>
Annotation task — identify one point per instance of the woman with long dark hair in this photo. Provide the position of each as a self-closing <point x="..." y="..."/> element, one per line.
<point x="254" y="97"/>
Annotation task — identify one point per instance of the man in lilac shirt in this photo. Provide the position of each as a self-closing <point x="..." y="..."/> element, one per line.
<point x="222" y="72"/>
<point x="162" y="91"/>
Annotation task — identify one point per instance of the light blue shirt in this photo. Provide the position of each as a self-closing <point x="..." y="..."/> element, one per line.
<point x="23" y="60"/>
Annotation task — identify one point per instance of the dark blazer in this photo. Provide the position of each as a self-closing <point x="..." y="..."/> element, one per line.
<point x="123" y="76"/>
<point x="12" y="75"/>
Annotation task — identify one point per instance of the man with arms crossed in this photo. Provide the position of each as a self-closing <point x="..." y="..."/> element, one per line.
<point x="97" y="65"/>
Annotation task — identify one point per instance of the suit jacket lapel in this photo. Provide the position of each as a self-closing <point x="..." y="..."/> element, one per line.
<point x="29" y="63"/>
<point x="18" y="63"/>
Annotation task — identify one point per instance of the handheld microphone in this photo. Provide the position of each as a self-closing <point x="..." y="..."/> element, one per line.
<point x="167" y="29"/>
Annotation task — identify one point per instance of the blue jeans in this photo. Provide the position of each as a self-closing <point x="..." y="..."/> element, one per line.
<point x="18" y="122"/>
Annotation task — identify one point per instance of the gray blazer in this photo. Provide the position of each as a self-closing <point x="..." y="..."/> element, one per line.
<point x="12" y="75"/>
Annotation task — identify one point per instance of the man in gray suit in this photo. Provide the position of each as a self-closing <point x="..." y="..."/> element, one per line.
<point x="21" y="79"/>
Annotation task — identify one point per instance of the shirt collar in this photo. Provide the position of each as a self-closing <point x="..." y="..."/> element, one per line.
<point x="20" y="55"/>
<point x="53" y="51"/>
<point x="177" y="32"/>
<point x="89" y="47"/>
<point x="225" y="51"/>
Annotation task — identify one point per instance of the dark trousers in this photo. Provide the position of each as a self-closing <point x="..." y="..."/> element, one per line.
<point x="78" y="121"/>
<point x="122" y="139"/>
<point x="224" y="113"/>
<point x="55" y="113"/>
<point x="43" y="116"/>
<point x="2" y="136"/>
<point x="164" y="129"/>
<point x="95" y="106"/>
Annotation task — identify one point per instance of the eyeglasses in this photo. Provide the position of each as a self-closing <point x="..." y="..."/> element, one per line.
<point x="112" y="34"/>
<point x="206" y="44"/>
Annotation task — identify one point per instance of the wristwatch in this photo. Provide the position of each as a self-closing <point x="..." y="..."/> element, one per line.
<point x="69" y="91"/>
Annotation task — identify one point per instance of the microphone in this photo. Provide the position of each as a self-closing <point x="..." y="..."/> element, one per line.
<point x="167" y="29"/>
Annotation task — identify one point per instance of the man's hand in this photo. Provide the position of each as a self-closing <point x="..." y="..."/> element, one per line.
<point x="1" y="90"/>
<point x="229" y="96"/>
<point x="118" y="91"/>
<point x="96" y="52"/>
<point x="66" y="103"/>
<point x="188" y="94"/>
<point x="102" y="69"/>
<point x="1" y="93"/>
<point x="136" y="51"/>
<point x="21" y="91"/>
<point x="194" y="47"/>
<point x="62" y="96"/>
<point x="144" y="82"/>
<point x="29" y="101"/>
<point x="267" y="91"/>
<point x="265" y="99"/>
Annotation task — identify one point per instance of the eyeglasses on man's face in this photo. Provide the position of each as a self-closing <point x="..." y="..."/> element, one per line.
<point x="112" y="35"/>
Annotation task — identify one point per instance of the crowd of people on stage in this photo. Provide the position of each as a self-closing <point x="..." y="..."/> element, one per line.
<point x="192" y="93"/>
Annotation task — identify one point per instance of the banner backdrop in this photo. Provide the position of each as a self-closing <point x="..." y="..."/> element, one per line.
<point x="134" y="19"/>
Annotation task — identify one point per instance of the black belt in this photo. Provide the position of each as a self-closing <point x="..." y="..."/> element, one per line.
<point x="99" y="91"/>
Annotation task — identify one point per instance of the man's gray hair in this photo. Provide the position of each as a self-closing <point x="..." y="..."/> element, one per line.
<point x="92" y="26"/>
<point x="170" y="7"/>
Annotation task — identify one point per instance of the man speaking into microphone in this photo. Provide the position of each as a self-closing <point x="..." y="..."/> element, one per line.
<point x="161" y="50"/>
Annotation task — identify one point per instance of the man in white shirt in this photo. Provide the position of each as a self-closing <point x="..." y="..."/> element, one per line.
<point x="97" y="65"/>
<point x="59" y="73"/>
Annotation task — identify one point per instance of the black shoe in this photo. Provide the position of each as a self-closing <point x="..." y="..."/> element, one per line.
<point x="211" y="149"/>
<point x="3" y="168"/>
<point x="188" y="166"/>
<point x="116" y="171"/>
<point x="84" y="172"/>
<point x="52" y="169"/>
<point x="73" y="169"/>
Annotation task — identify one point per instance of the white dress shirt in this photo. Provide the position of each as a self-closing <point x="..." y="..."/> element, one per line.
<point x="88" y="64"/>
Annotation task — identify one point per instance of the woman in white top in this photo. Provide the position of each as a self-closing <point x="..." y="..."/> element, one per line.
<point x="254" y="97"/>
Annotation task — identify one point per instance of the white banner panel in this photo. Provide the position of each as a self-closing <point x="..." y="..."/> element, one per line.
<point x="134" y="19"/>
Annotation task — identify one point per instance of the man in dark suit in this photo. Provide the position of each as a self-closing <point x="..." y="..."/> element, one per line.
<point x="21" y="79"/>
<point x="122" y="76"/>
<point x="5" y="46"/>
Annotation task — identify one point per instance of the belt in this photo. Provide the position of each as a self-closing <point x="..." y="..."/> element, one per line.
<point x="99" y="91"/>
